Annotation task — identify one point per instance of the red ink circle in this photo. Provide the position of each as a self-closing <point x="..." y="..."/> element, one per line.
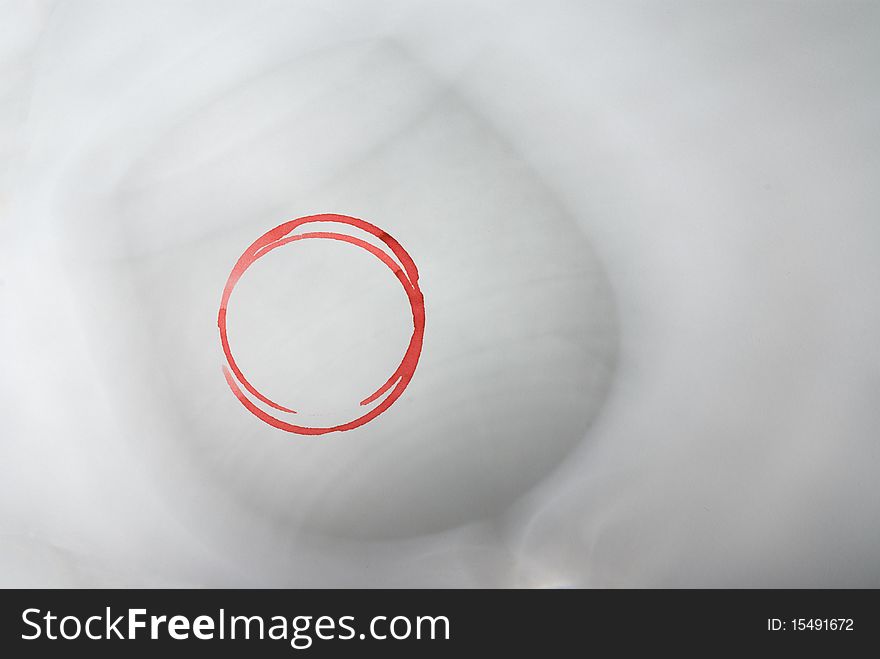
<point x="403" y="268"/>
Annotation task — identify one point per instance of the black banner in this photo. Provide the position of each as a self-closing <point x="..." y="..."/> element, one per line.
<point x="430" y="622"/>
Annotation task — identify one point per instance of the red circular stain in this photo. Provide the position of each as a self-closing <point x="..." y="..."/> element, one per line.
<point x="403" y="268"/>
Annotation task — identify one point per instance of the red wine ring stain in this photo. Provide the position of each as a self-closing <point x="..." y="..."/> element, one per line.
<point x="403" y="268"/>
